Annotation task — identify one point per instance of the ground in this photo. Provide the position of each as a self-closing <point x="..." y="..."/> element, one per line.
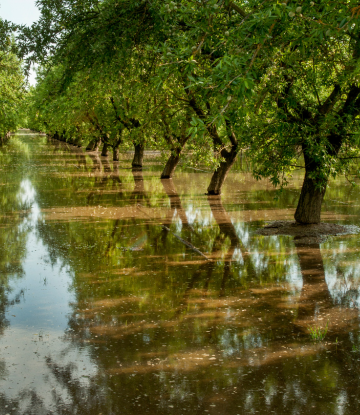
<point x="306" y="233"/>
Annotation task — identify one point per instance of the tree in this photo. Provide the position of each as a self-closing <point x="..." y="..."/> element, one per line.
<point x="309" y="99"/>
<point x="279" y="79"/>
<point x="12" y="84"/>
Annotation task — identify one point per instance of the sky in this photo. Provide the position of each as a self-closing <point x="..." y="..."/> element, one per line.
<point x="21" y="12"/>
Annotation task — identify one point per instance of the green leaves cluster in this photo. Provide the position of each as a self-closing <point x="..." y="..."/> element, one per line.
<point x="279" y="79"/>
<point x="12" y="93"/>
<point x="12" y="83"/>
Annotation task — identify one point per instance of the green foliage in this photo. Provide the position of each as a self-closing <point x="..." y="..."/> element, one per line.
<point x="277" y="79"/>
<point x="318" y="333"/>
<point x="12" y="92"/>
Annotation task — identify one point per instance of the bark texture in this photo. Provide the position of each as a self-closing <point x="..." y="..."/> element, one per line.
<point x="138" y="156"/>
<point x="116" y="147"/>
<point x="309" y="206"/>
<point x="116" y="154"/>
<point x="105" y="150"/>
<point x="219" y="176"/>
<point x="170" y="165"/>
<point x="221" y="172"/>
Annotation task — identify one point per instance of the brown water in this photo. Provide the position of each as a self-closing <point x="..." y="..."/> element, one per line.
<point x="102" y="311"/>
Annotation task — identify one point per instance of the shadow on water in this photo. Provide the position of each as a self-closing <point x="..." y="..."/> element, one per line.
<point x="166" y="332"/>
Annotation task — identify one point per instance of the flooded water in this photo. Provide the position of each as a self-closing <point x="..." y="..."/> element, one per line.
<point x="104" y="311"/>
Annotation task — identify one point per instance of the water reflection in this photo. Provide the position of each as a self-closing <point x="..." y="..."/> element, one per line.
<point x="34" y="297"/>
<point x="122" y="317"/>
<point x="315" y="295"/>
<point x="14" y="228"/>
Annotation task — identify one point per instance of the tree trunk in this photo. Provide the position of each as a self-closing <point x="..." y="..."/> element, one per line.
<point x="116" y="147"/>
<point x="116" y="154"/>
<point x="171" y="164"/>
<point x="105" y="150"/>
<point x="309" y="206"/>
<point x="138" y="156"/>
<point x="174" y="158"/>
<point x="219" y="176"/>
<point x="91" y="145"/>
<point x="97" y="144"/>
<point x="94" y="145"/>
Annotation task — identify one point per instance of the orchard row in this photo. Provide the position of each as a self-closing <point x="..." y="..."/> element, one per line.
<point x="204" y="81"/>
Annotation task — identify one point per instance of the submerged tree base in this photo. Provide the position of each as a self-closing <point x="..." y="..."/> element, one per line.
<point x="307" y="233"/>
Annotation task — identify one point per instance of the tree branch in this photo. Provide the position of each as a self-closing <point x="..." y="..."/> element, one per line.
<point x="235" y="7"/>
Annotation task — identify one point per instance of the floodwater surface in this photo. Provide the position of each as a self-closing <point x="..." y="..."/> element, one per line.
<point x="105" y="310"/>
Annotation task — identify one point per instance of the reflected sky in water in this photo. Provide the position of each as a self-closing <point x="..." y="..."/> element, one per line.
<point x="37" y="322"/>
<point x="102" y="310"/>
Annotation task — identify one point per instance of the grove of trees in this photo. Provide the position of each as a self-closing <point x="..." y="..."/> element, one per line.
<point x="12" y="84"/>
<point x="201" y="80"/>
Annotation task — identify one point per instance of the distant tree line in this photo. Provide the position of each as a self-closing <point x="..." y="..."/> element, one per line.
<point x="12" y="83"/>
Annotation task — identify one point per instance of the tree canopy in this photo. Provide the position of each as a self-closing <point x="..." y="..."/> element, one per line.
<point x="278" y="80"/>
<point x="12" y="85"/>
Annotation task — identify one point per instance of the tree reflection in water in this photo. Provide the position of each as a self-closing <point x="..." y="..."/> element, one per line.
<point x="315" y="297"/>
<point x="15" y="209"/>
<point x="182" y="375"/>
<point x="173" y="334"/>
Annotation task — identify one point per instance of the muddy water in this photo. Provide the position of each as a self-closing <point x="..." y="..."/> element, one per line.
<point x="103" y="311"/>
